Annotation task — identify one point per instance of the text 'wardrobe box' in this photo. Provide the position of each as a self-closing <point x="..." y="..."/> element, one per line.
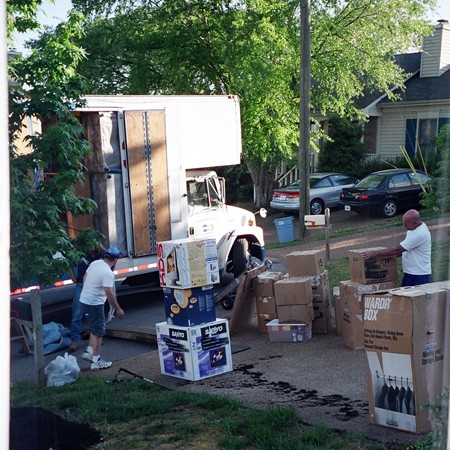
<point x="308" y="262"/>
<point x="374" y="270"/>
<point x="189" y="307"/>
<point x="351" y="310"/>
<point x="194" y="353"/>
<point x="186" y="263"/>
<point x="406" y="336"/>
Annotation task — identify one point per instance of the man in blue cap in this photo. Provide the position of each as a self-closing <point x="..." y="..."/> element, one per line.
<point x="97" y="288"/>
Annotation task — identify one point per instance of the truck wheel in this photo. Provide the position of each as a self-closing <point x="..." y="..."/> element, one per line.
<point x="239" y="255"/>
<point x="228" y="302"/>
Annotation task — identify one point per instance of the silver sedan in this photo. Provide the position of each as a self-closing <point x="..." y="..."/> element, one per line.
<point x="325" y="189"/>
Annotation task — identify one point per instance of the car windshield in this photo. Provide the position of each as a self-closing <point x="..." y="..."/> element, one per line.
<point x="312" y="182"/>
<point x="370" y="182"/>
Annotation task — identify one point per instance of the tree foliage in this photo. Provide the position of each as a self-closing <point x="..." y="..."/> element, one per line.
<point x="344" y="151"/>
<point x="251" y="48"/>
<point x="439" y="195"/>
<point x="45" y="86"/>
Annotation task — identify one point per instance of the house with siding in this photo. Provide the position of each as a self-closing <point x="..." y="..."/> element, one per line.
<point x="422" y="107"/>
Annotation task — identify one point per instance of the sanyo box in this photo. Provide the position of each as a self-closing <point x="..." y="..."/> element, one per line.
<point x="187" y="263"/>
<point x="194" y="353"/>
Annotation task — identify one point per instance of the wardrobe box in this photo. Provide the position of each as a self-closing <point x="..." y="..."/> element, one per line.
<point x="186" y="263"/>
<point x="194" y="353"/>
<point x="406" y="336"/>
<point x="289" y="332"/>
<point x="293" y="291"/>
<point x="374" y="270"/>
<point x="189" y="307"/>
<point x="308" y="262"/>
<point x="263" y="284"/>
<point x="350" y="310"/>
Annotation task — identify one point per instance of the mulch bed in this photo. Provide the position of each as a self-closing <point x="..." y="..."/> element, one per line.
<point x="40" y="429"/>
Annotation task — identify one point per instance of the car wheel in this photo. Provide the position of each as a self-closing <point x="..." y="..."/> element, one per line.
<point x="389" y="209"/>
<point x="317" y="206"/>
<point x="239" y="255"/>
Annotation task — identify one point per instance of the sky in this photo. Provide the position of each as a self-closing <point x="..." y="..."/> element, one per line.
<point x="53" y="13"/>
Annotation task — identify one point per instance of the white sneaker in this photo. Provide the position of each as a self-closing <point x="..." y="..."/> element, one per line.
<point x="101" y="364"/>
<point x="87" y="356"/>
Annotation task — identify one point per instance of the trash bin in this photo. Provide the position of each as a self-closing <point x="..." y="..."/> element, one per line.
<point x="285" y="229"/>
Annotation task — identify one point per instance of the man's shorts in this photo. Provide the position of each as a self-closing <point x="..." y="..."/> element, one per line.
<point x="96" y="318"/>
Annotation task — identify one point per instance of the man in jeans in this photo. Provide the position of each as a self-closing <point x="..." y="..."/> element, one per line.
<point x="77" y="317"/>
<point x="97" y="288"/>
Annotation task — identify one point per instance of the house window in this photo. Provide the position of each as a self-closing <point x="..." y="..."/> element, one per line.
<point x="421" y="134"/>
<point x="427" y="133"/>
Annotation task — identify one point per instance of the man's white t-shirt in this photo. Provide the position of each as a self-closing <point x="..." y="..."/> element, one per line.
<point x="98" y="276"/>
<point x="417" y="258"/>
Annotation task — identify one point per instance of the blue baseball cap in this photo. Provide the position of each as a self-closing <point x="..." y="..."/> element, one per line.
<point x="112" y="252"/>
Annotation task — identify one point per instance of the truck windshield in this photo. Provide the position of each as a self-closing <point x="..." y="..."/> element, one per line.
<point x="203" y="193"/>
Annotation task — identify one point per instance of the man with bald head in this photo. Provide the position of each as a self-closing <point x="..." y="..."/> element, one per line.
<point x="415" y="250"/>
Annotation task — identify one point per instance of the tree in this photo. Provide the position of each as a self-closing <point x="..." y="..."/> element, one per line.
<point x="45" y="85"/>
<point x="439" y="194"/>
<point x="251" y="48"/>
<point x="344" y="152"/>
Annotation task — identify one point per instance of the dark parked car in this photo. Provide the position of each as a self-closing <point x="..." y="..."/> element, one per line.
<point x="385" y="192"/>
<point x="324" y="192"/>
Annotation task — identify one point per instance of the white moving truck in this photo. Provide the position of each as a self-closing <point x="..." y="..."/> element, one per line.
<point x="151" y="175"/>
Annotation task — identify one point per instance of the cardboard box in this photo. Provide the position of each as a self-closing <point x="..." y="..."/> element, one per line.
<point x="292" y="332"/>
<point x="293" y="291"/>
<point x="194" y="353"/>
<point x="266" y="305"/>
<point x="189" y="307"/>
<point x="374" y="270"/>
<point x="186" y="263"/>
<point x="406" y="336"/>
<point x="308" y="262"/>
<point x="263" y="284"/>
<point x="322" y="317"/>
<point x="319" y="283"/>
<point x="351" y="312"/>
<point x="295" y="313"/>
<point x="263" y="320"/>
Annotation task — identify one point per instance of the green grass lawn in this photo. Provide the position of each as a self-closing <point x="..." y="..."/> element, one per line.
<point x="134" y="414"/>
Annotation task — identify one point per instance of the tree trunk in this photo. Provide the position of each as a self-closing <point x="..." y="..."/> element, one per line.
<point x="263" y="179"/>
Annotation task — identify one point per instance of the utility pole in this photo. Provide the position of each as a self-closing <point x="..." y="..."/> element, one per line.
<point x="304" y="123"/>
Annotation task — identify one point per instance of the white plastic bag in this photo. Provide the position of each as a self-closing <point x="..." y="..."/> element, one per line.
<point x="62" y="370"/>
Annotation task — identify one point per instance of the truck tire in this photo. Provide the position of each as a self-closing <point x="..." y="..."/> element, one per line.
<point x="239" y="255"/>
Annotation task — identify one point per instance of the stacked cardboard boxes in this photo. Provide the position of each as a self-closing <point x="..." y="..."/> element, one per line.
<point x="310" y="265"/>
<point x="264" y="292"/>
<point x="192" y="343"/>
<point x="300" y="298"/>
<point x="406" y="339"/>
<point x="366" y="276"/>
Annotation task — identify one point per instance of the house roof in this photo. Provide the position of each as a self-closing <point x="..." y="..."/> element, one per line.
<point x="424" y="89"/>
<point x="410" y="64"/>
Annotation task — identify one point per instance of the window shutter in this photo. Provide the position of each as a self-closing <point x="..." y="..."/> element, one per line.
<point x="410" y="138"/>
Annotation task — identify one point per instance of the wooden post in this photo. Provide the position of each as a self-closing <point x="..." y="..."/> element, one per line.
<point x="327" y="233"/>
<point x="38" y="338"/>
